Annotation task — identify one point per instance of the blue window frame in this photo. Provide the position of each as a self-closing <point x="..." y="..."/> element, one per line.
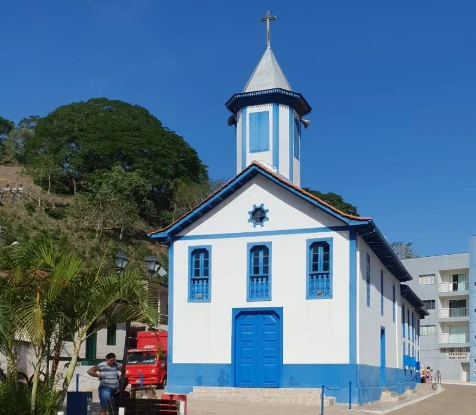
<point x="413" y="327"/>
<point x="259" y="131"/>
<point x="297" y="136"/>
<point x="394" y="304"/>
<point x="408" y="324"/>
<point x="199" y="281"/>
<point x="381" y="292"/>
<point x="319" y="268"/>
<point x="368" y="280"/>
<point x="259" y="271"/>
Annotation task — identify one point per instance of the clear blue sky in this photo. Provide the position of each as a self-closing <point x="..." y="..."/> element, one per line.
<point x="392" y="86"/>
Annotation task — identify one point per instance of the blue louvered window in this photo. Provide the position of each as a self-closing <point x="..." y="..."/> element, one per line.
<point x="381" y="293"/>
<point x="259" y="272"/>
<point x="199" y="274"/>
<point x="259" y="131"/>
<point x="319" y="268"/>
<point x="368" y="280"/>
<point x="297" y="134"/>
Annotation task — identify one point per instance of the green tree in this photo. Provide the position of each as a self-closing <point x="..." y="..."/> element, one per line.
<point x="88" y="138"/>
<point x="14" y="143"/>
<point x="5" y="127"/>
<point x="115" y="200"/>
<point x="404" y="250"/>
<point x="335" y="200"/>
<point x="187" y="196"/>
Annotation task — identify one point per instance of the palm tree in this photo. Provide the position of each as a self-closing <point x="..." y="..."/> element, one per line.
<point x="47" y="292"/>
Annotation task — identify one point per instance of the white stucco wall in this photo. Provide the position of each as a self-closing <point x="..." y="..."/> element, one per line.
<point x="314" y="331"/>
<point x="286" y="211"/>
<point x="369" y="318"/>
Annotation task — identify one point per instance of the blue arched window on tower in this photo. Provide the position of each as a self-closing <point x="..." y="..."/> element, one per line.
<point x="259" y="272"/>
<point x="200" y="274"/>
<point x="319" y="268"/>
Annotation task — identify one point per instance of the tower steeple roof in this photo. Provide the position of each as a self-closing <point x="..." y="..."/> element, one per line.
<point x="267" y="75"/>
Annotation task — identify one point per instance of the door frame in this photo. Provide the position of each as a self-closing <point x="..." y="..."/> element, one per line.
<point x="236" y="312"/>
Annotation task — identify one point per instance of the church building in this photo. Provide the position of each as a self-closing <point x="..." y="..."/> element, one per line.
<point x="271" y="287"/>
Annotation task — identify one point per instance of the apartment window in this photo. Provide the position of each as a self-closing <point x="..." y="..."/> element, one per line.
<point x="111" y="335"/>
<point x="368" y="280"/>
<point x="319" y="268"/>
<point x="259" y="272"/>
<point x="428" y="279"/>
<point x="427" y="330"/>
<point x="199" y="289"/>
<point x="429" y="304"/>
<point x="459" y="282"/>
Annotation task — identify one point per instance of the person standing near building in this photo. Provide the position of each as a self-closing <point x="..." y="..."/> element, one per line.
<point x="107" y="373"/>
<point x="428" y="375"/>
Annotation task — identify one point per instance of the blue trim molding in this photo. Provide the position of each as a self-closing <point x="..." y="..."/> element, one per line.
<point x="259" y="277"/>
<point x="252" y="214"/>
<point x="276" y="136"/>
<point x="291" y="142"/>
<point x="258" y="233"/>
<point x="318" y="273"/>
<point x="244" y="124"/>
<point x="200" y="274"/>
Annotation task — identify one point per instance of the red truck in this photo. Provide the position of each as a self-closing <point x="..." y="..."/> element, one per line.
<point x="147" y="364"/>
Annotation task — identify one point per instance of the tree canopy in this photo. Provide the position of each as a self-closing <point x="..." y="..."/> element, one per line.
<point x="77" y="143"/>
<point x="335" y="200"/>
<point x="404" y="250"/>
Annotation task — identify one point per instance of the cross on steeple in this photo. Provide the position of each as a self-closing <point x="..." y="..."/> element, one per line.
<point x="268" y="19"/>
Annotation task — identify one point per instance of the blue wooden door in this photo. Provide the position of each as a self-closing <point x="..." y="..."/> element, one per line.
<point x="258" y="345"/>
<point x="383" y="381"/>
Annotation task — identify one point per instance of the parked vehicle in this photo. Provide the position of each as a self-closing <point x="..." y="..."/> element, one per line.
<point x="147" y="363"/>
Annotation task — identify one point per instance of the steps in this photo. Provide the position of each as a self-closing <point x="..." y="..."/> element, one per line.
<point x="295" y="396"/>
<point x="388" y="396"/>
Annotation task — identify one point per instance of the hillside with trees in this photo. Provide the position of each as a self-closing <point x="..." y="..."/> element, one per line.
<point x="96" y="176"/>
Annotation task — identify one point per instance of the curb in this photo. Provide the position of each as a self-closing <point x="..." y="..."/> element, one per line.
<point x="451" y="382"/>
<point x="403" y="405"/>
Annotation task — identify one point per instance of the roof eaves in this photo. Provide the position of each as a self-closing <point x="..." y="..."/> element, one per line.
<point x="380" y="246"/>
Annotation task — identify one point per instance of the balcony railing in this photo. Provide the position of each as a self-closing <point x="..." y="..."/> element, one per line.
<point x="448" y="287"/>
<point x="453" y="312"/>
<point x="454" y="338"/>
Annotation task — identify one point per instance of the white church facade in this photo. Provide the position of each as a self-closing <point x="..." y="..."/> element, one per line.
<point x="270" y="287"/>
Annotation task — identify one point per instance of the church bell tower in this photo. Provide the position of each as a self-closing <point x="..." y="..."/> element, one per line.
<point x="268" y="118"/>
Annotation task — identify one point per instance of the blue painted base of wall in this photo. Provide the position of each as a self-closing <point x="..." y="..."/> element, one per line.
<point x="182" y="377"/>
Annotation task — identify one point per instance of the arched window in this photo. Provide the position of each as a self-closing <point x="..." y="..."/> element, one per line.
<point x="319" y="269"/>
<point x="259" y="272"/>
<point x="200" y="274"/>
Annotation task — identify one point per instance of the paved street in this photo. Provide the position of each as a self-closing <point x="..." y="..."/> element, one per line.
<point x="454" y="400"/>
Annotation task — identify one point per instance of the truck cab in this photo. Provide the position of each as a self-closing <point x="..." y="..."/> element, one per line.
<point x="147" y="363"/>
